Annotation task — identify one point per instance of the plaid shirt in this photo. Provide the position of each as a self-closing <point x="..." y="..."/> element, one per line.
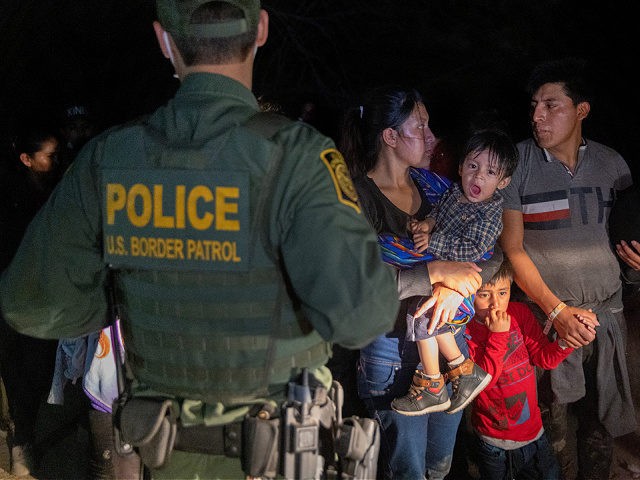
<point x="463" y="232"/>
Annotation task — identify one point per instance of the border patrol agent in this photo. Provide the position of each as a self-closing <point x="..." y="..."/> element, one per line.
<point x="239" y="250"/>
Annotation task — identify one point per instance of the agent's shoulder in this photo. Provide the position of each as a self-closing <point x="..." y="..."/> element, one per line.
<point x="291" y="134"/>
<point x="129" y="128"/>
<point x="297" y="129"/>
<point x="268" y="124"/>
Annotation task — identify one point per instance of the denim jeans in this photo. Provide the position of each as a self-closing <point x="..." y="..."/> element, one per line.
<point x="534" y="461"/>
<point x="411" y="447"/>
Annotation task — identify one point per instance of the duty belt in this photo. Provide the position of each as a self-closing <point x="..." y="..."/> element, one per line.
<point x="210" y="440"/>
<point x="298" y="439"/>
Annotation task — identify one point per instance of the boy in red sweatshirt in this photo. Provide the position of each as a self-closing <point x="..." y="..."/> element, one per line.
<point x="507" y="341"/>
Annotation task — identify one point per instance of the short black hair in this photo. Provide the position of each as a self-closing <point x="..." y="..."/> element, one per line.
<point x="501" y="149"/>
<point x="30" y="138"/>
<point x="571" y="72"/>
<point x="219" y="50"/>
<point x="504" y="272"/>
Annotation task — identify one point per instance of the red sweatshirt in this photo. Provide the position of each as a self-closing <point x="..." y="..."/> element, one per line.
<point x="507" y="408"/>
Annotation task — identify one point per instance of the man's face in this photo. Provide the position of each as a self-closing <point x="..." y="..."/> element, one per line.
<point x="554" y="118"/>
<point x="77" y="131"/>
<point x="492" y="296"/>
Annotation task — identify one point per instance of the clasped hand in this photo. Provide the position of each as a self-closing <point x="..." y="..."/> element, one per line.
<point x="576" y="326"/>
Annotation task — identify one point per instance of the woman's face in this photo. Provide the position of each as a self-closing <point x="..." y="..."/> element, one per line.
<point x="44" y="159"/>
<point x="416" y="140"/>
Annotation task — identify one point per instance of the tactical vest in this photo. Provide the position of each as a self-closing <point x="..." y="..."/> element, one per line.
<point x="200" y="323"/>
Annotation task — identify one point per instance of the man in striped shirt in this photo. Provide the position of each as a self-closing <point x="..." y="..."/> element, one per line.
<point x="555" y="233"/>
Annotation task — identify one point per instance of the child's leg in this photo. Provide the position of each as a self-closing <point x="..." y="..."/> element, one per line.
<point x="428" y="350"/>
<point x="449" y="349"/>
<point x="467" y="378"/>
<point x="427" y="393"/>
<point x="492" y="461"/>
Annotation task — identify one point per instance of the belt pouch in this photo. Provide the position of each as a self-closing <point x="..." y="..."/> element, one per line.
<point x="358" y="445"/>
<point x="150" y="426"/>
<point x="260" y="444"/>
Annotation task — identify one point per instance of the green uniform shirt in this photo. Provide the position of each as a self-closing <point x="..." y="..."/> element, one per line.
<point x="174" y="203"/>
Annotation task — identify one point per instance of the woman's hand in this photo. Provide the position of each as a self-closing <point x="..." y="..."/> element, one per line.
<point x="445" y="303"/>
<point x="463" y="277"/>
<point x="629" y="253"/>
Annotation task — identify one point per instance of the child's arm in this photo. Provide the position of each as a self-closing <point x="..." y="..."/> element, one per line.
<point x="420" y="241"/>
<point x="543" y="353"/>
<point x="421" y="230"/>
<point x="587" y="321"/>
<point x="421" y="226"/>
<point x="489" y="342"/>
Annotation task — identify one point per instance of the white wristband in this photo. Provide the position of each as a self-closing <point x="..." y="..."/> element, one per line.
<point x="552" y="316"/>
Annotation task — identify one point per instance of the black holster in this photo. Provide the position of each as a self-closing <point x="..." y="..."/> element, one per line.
<point x="148" y="425"/>
<point x="261" y="442"/>
<point x="357" y="446"/>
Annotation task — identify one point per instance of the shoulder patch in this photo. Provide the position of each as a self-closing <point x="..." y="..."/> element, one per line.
<point x="337" y="167"/>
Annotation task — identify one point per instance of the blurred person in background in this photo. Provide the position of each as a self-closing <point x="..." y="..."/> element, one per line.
<point x="26" y="363"/>
<point x="77" y="126"/>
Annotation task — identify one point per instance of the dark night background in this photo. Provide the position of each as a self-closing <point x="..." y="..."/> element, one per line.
<point x="463" y="55"/>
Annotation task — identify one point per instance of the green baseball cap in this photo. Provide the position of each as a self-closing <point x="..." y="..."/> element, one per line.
<point x="175" y="17"/>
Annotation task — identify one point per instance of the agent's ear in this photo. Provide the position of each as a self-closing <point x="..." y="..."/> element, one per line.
<point x="583" y="110"/>
<point x="390" y="136"/>
<point x="263" y="29"/>
<point x="25" y="159"/>
<point x="161" y="37"/>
